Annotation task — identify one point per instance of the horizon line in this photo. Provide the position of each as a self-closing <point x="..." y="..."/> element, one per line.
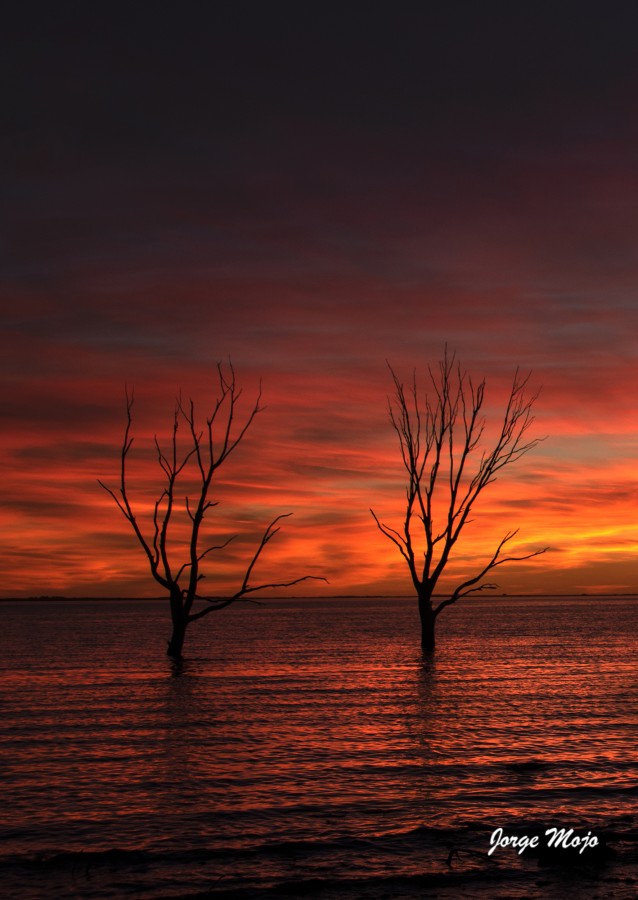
<point x="62" y="597"/>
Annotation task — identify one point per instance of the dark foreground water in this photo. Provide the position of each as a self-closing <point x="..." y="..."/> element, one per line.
<point x="305" y="750"/>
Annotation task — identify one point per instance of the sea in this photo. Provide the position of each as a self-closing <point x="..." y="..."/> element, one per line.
<point x="307" y="748"/>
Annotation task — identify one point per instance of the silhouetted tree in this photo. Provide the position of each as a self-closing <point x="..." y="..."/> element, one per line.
<point x="206" y="451"/>
<point x="440" y="440"/>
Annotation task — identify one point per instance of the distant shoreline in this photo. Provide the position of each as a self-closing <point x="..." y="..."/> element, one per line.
<point x="265" y="599"/>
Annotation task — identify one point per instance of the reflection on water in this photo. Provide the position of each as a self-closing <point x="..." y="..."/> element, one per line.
<point x="319" y="727"/>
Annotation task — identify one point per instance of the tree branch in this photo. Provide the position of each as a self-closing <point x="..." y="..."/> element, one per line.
<point x="472" y="585"/>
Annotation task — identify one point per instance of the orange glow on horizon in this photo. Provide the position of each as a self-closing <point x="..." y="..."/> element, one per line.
<point x="326" y="461"/>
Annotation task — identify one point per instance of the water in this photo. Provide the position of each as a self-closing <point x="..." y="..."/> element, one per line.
<point x="305" y="749"/>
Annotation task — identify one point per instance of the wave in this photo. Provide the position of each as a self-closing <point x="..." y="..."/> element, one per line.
<point x="409" y="863"/>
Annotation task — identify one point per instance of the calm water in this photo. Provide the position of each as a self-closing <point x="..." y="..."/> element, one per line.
<point x="306" y="750"/>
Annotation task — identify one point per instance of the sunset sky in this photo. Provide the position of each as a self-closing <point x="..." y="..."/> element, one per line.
<point x="312" y="190"/>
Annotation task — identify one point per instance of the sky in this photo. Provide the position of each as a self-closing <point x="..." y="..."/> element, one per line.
<point x="313" y="192"/>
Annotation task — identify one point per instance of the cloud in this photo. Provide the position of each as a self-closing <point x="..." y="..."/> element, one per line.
<point x="312" y="222"/>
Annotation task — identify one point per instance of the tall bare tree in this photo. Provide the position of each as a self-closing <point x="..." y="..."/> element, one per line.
<point x="447" y="468"/>
<point x="205" y="451"/>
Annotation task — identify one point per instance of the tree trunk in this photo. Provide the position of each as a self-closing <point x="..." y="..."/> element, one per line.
<point x="180" y="621"/>
<point x="176" y="642"/>
<point x="428" y="621"/>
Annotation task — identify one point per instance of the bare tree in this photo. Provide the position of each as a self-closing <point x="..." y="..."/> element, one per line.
<point x="206" y="450"/>
<point x="447" y="470"/>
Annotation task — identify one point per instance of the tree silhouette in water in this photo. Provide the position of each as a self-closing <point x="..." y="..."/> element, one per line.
<point x="440" y="439"/>
<point x="206" y="450"/>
